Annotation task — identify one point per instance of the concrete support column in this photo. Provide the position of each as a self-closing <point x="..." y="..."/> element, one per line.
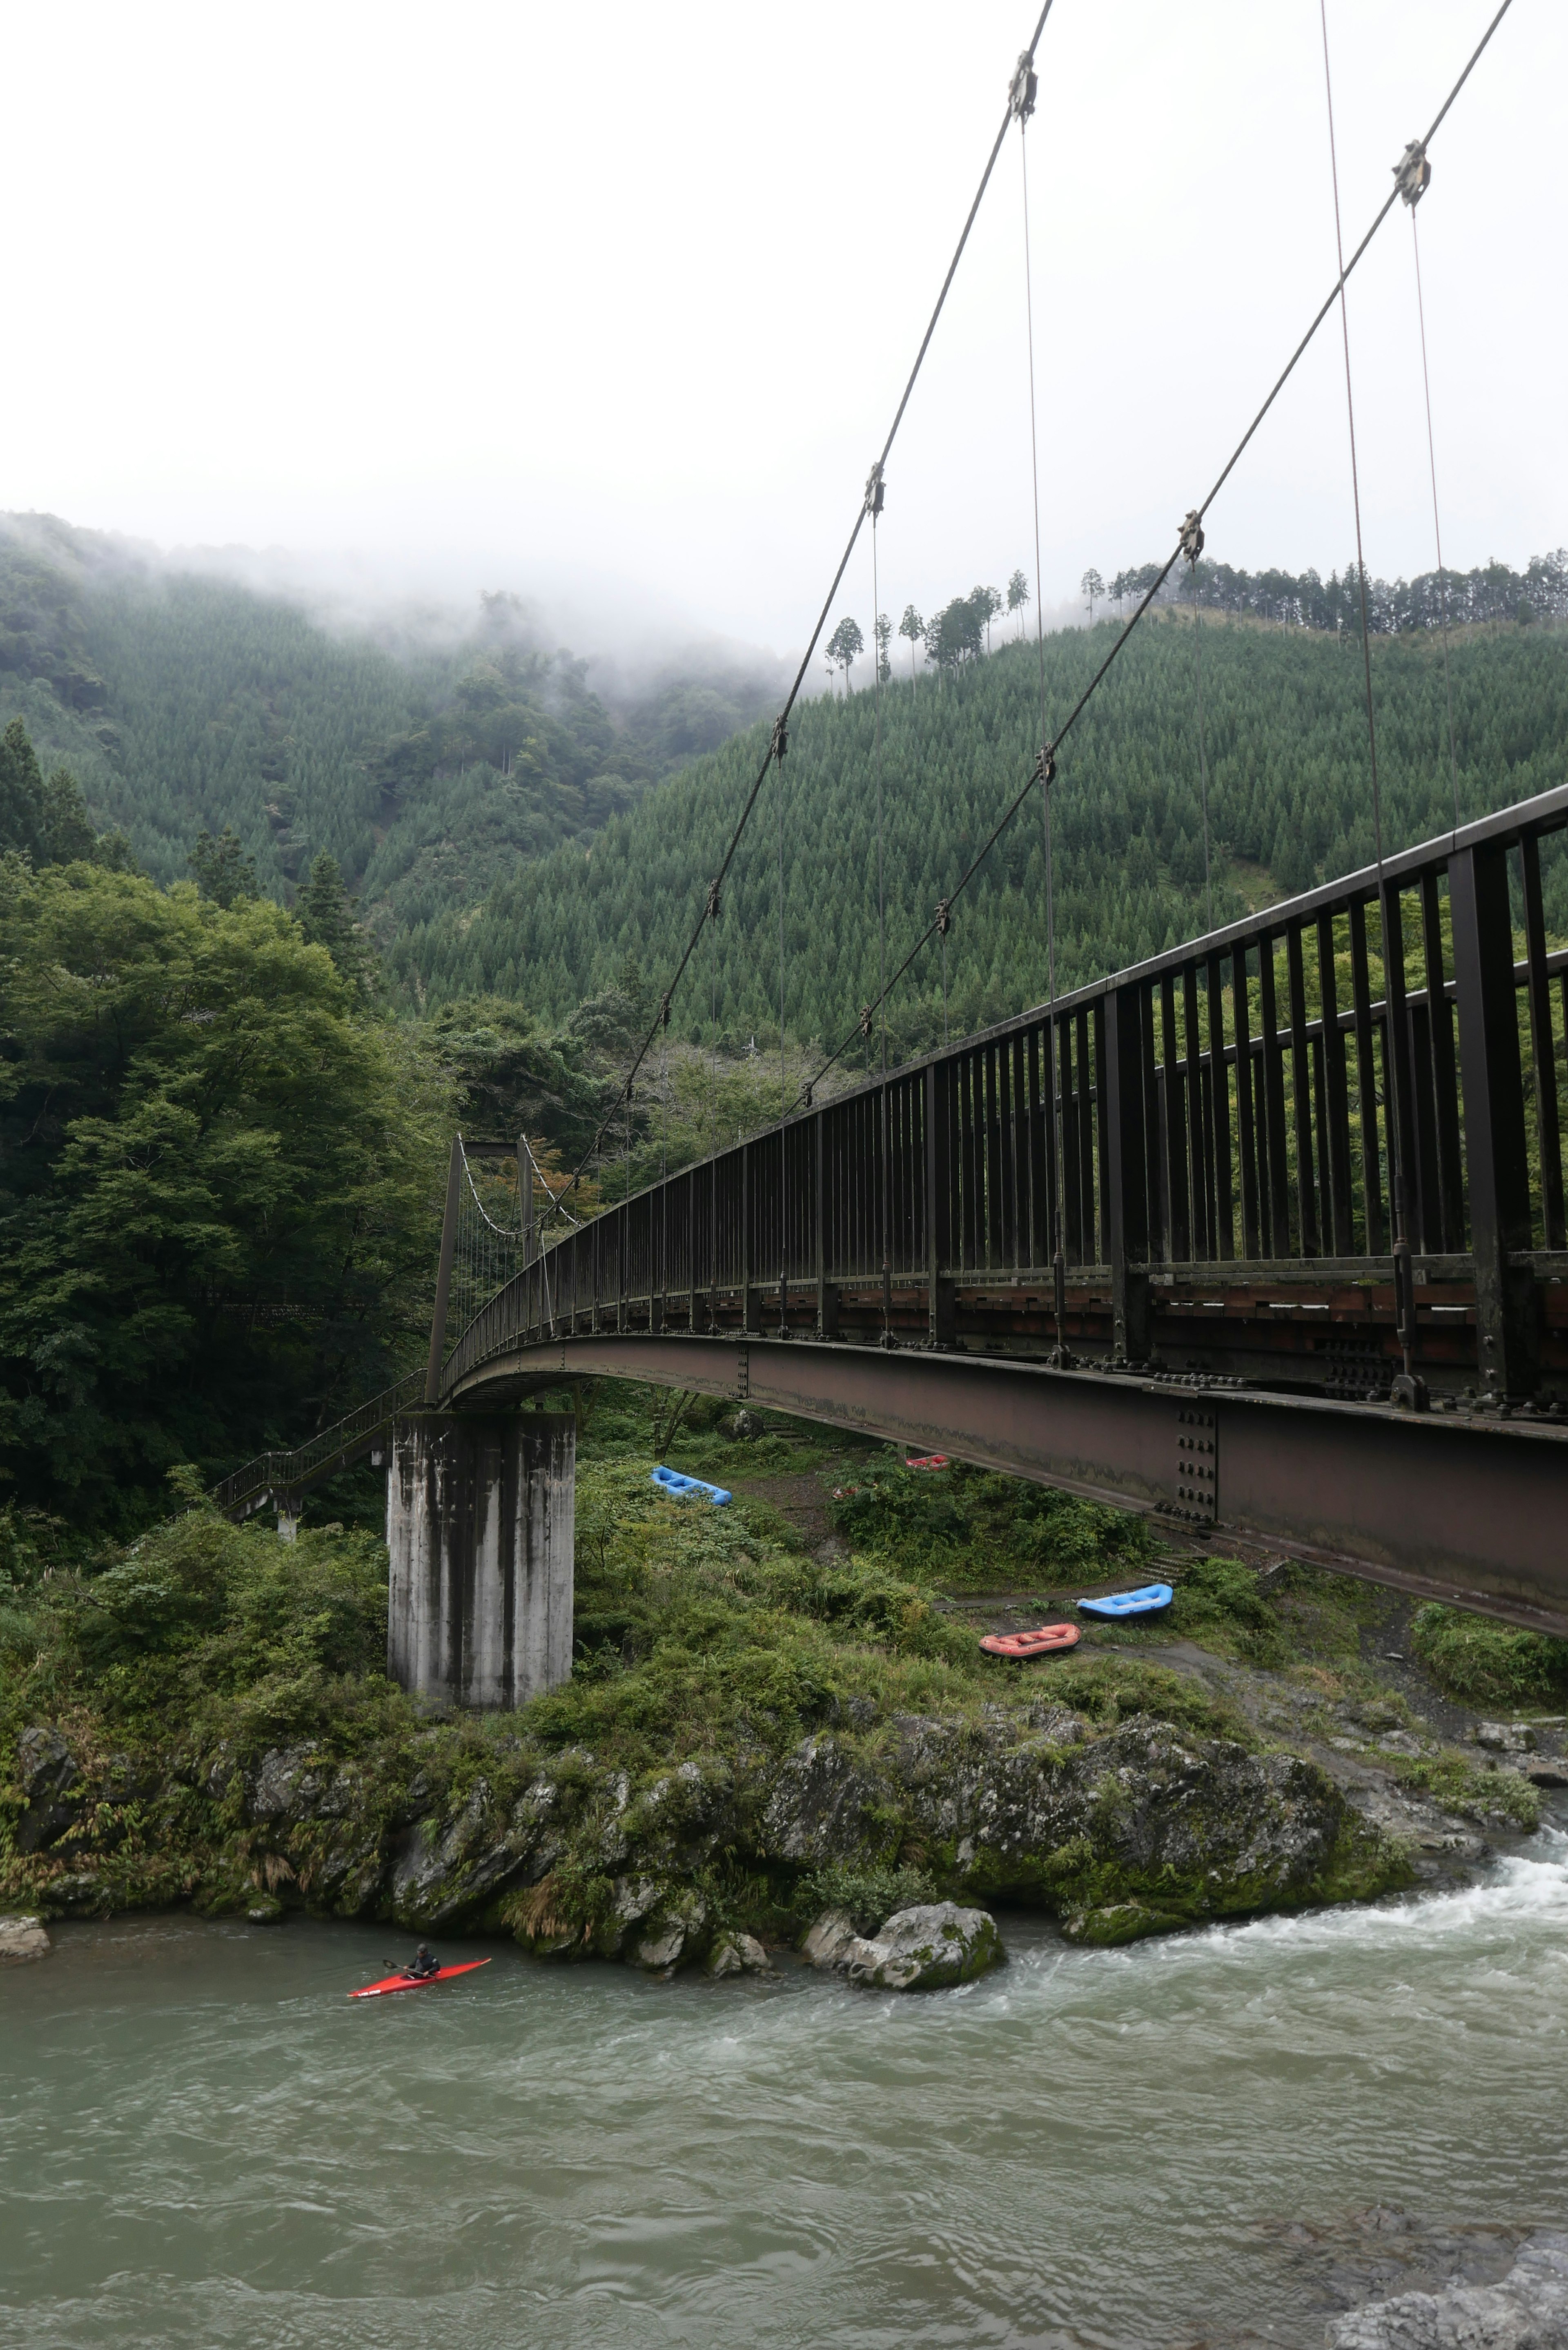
<point x="479" y="1511"/>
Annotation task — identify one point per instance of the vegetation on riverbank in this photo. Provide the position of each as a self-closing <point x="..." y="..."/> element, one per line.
<point x="758" y="1725"/>
<point x="1488" y="1663"/>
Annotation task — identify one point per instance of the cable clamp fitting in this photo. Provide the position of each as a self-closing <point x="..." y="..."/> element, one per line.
<point x="713" y="899"/>
<point x="664" y="1010"/>
<point x="876" y="490"/>
<point x="944" y="916"/>
<point x="1045" y="768"/>
<point x="1191" y="535"/>
<point x="865" y="1020"/>
<point x="780" y="743"/>
<point x="1021" y="90"/>
<point x="806" y="1096"/>
<point x="1413" y="173"/>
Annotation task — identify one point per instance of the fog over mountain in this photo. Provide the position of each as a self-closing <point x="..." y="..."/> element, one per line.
<point x="615" y="313"/>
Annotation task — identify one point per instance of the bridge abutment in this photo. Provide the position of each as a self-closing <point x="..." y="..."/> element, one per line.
<point x="480" y="1525"/>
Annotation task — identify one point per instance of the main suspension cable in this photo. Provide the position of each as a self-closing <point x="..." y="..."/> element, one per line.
<point x="1026" y="66"/>
<point x="1190" y="532"/>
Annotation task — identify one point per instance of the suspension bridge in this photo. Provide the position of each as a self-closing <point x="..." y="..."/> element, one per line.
<point x="1265" y="1237"/>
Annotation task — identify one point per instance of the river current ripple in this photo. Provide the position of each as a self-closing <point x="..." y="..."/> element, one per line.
<point x="204" y="2143"/>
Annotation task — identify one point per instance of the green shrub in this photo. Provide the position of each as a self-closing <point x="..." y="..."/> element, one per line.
<point x="1221" y="1597"/>
<point x="963" y="1525"/>
<point x="868" y="1897"/>
<point x="1471" y="1789"/>
<point x="1488" y="1663"/>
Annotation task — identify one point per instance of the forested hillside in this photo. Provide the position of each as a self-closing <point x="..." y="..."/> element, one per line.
<point x="223" y="1120"/>
<point x="427" y="767"/>
<point x="1289" y="795"/>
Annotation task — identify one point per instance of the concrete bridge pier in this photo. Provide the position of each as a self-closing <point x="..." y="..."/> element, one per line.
<point x="479" y="1511"/>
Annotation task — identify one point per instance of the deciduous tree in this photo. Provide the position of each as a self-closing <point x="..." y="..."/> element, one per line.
<point x="218" y="1186"/>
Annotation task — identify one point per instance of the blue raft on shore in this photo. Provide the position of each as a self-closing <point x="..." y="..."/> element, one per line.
<point x="680" y="1489"/>
<point x="1118" y="1606"/>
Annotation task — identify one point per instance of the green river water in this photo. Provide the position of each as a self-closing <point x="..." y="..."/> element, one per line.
<point x="203" y="2142"/>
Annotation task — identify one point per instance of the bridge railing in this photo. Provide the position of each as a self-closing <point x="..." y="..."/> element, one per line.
<point x="1228" y="1104"/>
<point x="281" y="1477"/>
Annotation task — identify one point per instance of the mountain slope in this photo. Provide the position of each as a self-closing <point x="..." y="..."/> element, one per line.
<point x="427" y="767"/>
<point x="1289" y="792"/>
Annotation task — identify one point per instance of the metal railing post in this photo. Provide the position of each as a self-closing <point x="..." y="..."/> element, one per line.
<point x="1496" y="1166"/>
<point x="941" y="1320"/>
<point x="750" y="1319"/>
<point x="1131" y="1317"/>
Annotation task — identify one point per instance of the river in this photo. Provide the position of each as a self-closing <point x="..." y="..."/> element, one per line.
<point x="203" y="2142"/>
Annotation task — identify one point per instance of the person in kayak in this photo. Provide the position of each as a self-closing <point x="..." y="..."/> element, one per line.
<point x="423" y="1964"/>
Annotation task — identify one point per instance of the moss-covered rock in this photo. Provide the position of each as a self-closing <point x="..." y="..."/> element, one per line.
<point x="929" y="1949"/>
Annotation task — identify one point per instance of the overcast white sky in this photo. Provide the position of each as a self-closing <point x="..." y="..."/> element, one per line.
<point x="612" y="305"/>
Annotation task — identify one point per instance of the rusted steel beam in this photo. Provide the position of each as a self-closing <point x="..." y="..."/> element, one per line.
<point x="1466" y="1509"/>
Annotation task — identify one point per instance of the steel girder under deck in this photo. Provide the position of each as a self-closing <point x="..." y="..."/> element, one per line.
<point x="1471" y="1510"/>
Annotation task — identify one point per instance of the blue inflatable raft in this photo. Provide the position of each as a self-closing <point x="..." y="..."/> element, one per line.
<point x="1152" y="1600"/>
<point x="679" y="1487"/>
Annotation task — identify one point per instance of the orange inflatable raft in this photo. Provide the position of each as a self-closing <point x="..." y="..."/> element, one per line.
<point x="1045" y="1642"/>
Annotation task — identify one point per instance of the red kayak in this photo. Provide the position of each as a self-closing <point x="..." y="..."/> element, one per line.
<point x="1045" y="1642"/>
<point x="418" y="1982"/>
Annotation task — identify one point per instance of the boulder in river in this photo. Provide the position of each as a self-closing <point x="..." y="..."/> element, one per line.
<point x="831" y="1930"/>
<point x="736" y="1954"/>
<point x="1527" y="2310"/>
<point x="925" y="1948"/>
<point x="672" y="1934"/>
<point x="23" y="1938"/>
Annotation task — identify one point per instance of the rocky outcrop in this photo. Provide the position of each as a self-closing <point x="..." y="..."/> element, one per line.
<point x="1527" y="2310"/>
<point x="824" y="1805"/>
<point x="926" y="1949"/>
<point x="1124" y="1834"/>
<point x="53" y="1788"/>
<point x="23" y="1938"/>
<point x="1116" y="1832"/>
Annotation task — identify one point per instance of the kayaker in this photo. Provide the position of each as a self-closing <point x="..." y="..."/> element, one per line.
<point x="423" y="1964"/>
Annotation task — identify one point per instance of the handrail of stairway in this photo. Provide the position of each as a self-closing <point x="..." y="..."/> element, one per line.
<point x="252" y="1488"/>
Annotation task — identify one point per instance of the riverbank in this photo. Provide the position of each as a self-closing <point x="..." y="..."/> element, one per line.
<point x="776" y="1709"/>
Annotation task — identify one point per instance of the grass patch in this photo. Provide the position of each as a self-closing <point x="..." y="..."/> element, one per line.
<point x="970" y="1529"/>
<point x="1487" y="1663"/>
<point x="1110" y="1688"/>
<point x="1470" y="1790"/>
